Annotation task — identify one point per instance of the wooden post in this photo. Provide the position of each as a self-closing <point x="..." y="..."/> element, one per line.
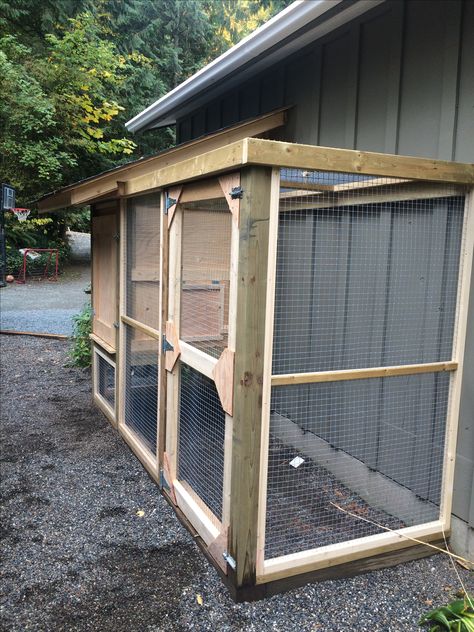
<point x="163" y="307"/>
<point x="248" y="374"/>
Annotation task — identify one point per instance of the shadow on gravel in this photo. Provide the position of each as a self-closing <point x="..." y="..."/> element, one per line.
<point x="137" y="587"/>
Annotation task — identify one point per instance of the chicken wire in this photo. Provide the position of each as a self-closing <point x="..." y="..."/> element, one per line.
<point x="365" y="449"/>
<point x="141" y="386"/>
<point x="143" y="260"/>
<point x="105" y="379"/>
<point x="367" y="275"/>
<point x="201" y="438"/>
<point x="206" y="242"/>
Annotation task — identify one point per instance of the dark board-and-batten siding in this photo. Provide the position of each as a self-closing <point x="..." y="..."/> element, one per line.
<point x="370" y="286"/>
<point x="399" y="79"/>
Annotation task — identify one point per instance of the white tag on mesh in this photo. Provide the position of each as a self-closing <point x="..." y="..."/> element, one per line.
<point x="296" y="462"/>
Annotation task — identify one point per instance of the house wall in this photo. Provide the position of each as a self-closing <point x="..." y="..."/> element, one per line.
<point x="399" y="79"/>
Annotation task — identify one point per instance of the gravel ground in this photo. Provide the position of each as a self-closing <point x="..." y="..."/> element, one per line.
<point x="76" y="557"/>
<point x="45" y="306"/>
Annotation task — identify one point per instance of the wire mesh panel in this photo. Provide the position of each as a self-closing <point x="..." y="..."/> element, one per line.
<point x="105" y="379"/>
<point x="207" y="227"/>
<point x="367" y="276"/>
<point x="366" y="272"/>
<point x="320" y="493"/>
<point x="141" y="385"/>
<point x="143" y="259"/>
<point x="201" y="438"/>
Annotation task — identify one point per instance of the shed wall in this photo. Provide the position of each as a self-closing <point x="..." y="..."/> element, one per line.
<point x="398" y="80"/>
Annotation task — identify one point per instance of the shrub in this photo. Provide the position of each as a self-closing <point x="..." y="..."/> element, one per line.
<point x="80" y="352"/>
<point x="80" y="220"/>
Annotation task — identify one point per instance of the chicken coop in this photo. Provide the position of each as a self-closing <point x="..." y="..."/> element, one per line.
<point x="278" y="335"/>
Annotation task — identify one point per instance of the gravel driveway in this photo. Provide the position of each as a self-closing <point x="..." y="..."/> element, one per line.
<point x="45" y="306"/>
<point x="78" y="558"/>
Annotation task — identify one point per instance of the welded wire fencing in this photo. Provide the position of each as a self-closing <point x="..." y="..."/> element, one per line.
<point x="366" y="278"/>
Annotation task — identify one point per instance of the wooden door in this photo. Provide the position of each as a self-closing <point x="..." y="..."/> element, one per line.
<point x="200" y="328"/>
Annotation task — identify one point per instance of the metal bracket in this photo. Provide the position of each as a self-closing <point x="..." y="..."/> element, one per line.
<point x="167" y="346"/>
<point x="169" y="203"/>
<point x="163" y="481"/>
<point x="236" y="193"/>
<point x="230" y="560"/>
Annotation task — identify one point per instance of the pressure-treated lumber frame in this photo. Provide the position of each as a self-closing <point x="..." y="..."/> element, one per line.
<point x="313" y="560"/>
<point x="220" y="370"/>
<point x="255" y="151"/>
<point x="150" y="461"/>
<point x="250" y="339"/>
<point x="109" y="184"/>
<point x="259" y="194"/>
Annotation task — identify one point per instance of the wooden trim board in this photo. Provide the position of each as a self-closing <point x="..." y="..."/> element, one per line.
<point x="342" y="552"/>
<point x="267" y="364"/>
<point x="195" y="514"/>
<point x="145" y="329"/>
<point x="361" y="374"/>
<point x="298" y="156"/>
<point x="459" y="340"/>
<point x="106" y="184"/>
<point x="102" y="343"/>
<point x="197" y="359"/>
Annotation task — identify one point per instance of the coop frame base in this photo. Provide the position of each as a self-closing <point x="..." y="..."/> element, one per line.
<point x="268" y="586"/>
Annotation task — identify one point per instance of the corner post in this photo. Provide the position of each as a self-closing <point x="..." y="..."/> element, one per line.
<point x="255" y="208"/>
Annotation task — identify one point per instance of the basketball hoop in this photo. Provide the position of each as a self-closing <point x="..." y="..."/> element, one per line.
<point x="21" y="213"/>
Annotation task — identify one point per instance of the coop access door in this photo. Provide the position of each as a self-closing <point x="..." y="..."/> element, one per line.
<point x="203" y="237"/>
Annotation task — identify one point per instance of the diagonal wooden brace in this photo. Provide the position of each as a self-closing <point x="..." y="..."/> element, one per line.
<point x="172" y="355"/>
<point x="228" y="182"/>
<point x="223" y="374"/>
<point x="173" y="195"/>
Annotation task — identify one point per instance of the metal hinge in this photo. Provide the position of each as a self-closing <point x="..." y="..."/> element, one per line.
<point x="163" y="481"/>
<point x="236" y="193"/>
<point x="230" y="560"/>
<point x="116" y="325"/>
<point x="116" y="237"/>
<point x="167" y="346"/>
<point x="169" y="202"/>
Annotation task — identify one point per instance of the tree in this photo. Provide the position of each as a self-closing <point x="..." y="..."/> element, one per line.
<point x="235" y="19"/>
<point x="57" y="109"/>
<point x="31" y="148"/>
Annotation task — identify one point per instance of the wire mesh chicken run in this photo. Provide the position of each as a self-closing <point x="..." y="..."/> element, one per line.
<point x="290" y="355"/>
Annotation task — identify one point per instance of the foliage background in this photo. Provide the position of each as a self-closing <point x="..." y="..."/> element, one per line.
<point x="73" y="71"/>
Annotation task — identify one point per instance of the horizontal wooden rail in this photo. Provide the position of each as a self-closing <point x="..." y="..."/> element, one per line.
<point x="197" y="359"/>
<point x="105" y="345"/>
<point x="361" y="374"/>
<point x="145" y="329"/>
<point x="343" y="552"/>
<point x="296" y="156"/>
